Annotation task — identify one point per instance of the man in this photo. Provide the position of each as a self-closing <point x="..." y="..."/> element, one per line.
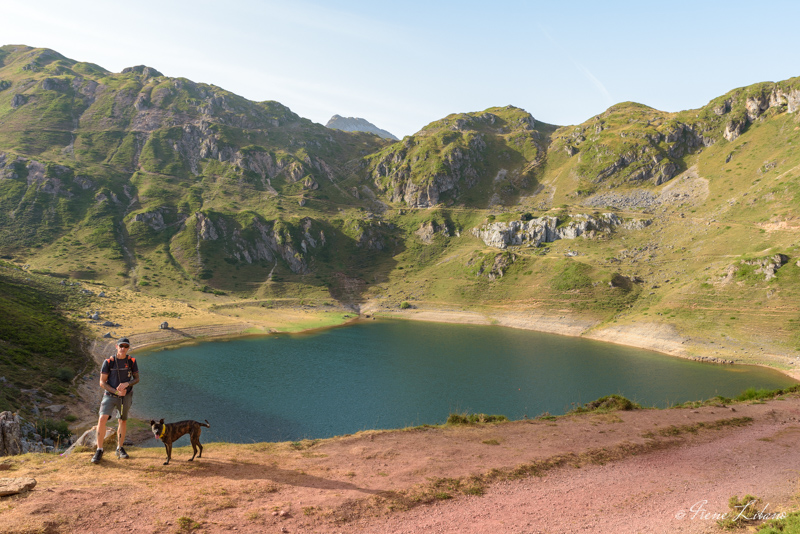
<point x="117" y="378"/>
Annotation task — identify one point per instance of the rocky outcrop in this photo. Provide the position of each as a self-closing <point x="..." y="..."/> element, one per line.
<point x="146" y="72"/>
<point x="153" y="219"/>
<point x="428" y="230"/>
<point x="356" y="124"/>
<point x="18" y="100"/>
<point x="260" y="239"/>
<point x="496" y="265"/>
<point x="747" y="107"/>
<point x="10" y="434"/>
<point x="768" y="266"/>
<point x="547" y="229"/>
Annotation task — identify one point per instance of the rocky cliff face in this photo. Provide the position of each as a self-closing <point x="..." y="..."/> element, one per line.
<point x="547" y="229"/>
<point x="356" y="124"/>
<point x="254" y="239"/>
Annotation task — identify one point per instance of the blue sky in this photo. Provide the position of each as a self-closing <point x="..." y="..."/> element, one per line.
<point x="402" y="65"/>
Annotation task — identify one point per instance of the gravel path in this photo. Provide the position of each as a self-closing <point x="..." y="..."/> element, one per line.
<point x="666" y="491"/>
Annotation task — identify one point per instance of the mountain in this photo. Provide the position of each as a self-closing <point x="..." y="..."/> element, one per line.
<point x="356" y="124"/>
<point x="636" y="222"/>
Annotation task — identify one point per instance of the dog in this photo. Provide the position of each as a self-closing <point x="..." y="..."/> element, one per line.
<point x="170" y="432"/>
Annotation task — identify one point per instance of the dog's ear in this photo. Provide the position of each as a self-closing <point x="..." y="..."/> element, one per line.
<point x="152" y="422"/>
<point x="162" y="421"/>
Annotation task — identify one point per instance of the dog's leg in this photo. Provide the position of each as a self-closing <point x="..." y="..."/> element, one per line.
<point x="168" y="446"/>
<point x="193" y="439"/>
<point x="196" y="438"/>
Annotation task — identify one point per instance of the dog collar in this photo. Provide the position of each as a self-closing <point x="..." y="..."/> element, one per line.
<point x="163" y="431"/>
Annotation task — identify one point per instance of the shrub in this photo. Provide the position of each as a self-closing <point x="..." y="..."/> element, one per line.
<point x="187" y="524"/>
<point x="65" y="374"/>
<point x="404" y="305"/>
<point x="49" y="428"/>
<point x="609" y="403"/>
<point x="742" y="512"/>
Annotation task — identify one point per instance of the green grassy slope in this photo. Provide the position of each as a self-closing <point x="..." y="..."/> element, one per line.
<point x="188" y="191"/>
<point x="40" y="345"/>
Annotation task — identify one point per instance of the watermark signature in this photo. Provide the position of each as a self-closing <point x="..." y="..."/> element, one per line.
<point x="698" y="512"/>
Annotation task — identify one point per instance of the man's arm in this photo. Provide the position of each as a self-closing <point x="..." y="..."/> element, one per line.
<point x="104" y="383"/>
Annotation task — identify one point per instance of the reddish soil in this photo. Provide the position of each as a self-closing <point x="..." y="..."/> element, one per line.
<point x="619" y="472"/>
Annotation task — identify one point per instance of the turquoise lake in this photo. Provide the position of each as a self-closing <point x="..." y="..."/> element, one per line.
<point x="393" y="374"/>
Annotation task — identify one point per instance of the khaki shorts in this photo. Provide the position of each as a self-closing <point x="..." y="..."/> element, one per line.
<point x="123" y="404"/>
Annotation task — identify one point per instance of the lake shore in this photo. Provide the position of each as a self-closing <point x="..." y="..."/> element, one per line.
<point x="657" y="337"/>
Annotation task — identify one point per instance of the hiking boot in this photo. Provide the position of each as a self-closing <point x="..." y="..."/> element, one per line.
<point x="98" y="455"/>
<point x="121" y="453"/>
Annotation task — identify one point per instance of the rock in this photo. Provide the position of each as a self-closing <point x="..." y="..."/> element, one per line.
<point x="13" y="486"/>
<point x="769" y="266"/>
<point x="101" y="294"/>
<point x="146" y="72"/>
<point x="95" y="316"/>
<point x="734" y="129"/>
<point x="18" y="100"/>
<point x="10" y="434"/>
<point x="164" y="326"/>
<point x="107" y="334"/>
<point x="154" y="219"/>
<point x="89" y="439"/>
<point x="55" y="408"/>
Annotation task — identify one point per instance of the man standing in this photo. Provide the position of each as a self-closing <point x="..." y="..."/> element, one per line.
<point x="117" y="377"/>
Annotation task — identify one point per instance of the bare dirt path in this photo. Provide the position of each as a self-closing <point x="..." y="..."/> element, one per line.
<point x="627" y="471"/>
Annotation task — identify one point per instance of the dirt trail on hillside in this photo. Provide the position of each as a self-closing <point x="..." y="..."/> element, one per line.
<point x="637" y="471"/>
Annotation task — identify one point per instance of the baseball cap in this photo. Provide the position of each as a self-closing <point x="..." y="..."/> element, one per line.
<point x="124" y="340"/>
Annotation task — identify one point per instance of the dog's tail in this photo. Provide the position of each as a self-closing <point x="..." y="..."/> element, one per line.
<point x="206" y="424"/>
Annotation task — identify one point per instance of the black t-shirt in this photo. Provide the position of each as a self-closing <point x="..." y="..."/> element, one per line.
<point x="120" y="370"/>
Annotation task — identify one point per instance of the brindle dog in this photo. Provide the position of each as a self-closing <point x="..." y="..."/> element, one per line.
<point x="170" y="432"/>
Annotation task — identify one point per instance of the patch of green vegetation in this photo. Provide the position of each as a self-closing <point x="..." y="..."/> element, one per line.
<point x="474" y="418"/>
<point x="789" y="524"/>
<point x="571" y="275"/>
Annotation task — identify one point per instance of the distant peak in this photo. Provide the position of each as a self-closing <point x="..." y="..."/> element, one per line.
<point x="357" y="124"/>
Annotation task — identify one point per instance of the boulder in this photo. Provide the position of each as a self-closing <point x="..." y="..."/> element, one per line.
<point x="55" y="408"/>
<point x="13" y="486"/>
<point x="89" y="439"/>
<point x="10" y="434"/>
<point x="18" y="100"/>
